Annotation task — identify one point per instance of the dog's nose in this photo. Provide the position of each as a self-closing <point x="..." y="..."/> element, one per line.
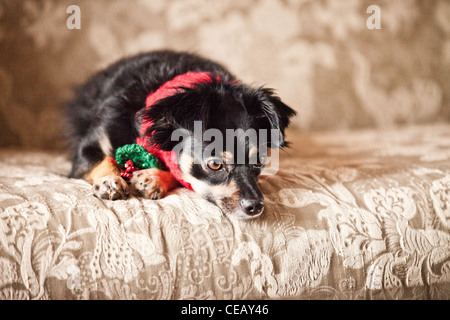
<point x="252" y="207"/>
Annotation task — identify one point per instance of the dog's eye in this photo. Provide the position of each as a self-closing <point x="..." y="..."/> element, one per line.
<point x="214" y="165"/>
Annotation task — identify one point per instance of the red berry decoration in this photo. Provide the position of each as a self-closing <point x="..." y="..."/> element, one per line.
<point x="129" y="164"/>
<point x="133" y="157"/>
<point x="129" y="169"/>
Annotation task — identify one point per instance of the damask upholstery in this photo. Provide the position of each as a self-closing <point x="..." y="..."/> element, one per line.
<point x="358" y="214"/>
<point x="350" y="215"/>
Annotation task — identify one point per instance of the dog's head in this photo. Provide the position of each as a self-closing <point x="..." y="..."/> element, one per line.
<point x="226" y="130"/>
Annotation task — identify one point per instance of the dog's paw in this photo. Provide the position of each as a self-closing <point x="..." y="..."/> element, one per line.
<point x="111" y="188"/>
<point x="150" y="183"/>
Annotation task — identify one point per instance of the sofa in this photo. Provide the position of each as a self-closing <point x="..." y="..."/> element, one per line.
<point x="349" y="215"/>
<point x="360" y="206"/>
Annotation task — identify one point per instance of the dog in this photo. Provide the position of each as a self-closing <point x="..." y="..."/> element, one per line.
<point x="151" y="96"/>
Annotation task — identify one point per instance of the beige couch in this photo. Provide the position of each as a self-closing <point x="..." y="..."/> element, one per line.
<point x="360" y="215"/>
<point x="353" y="213"/>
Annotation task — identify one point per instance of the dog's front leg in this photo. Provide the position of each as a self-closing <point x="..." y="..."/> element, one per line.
<point x="107" y="182"/>
<point x="152" y="183"/>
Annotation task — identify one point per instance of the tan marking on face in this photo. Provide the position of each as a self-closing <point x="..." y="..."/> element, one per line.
<point x="229" y="204"/>
<point x="253" y="151"/>
<point x="224" y="190"/>
<point x="227" y="157"/>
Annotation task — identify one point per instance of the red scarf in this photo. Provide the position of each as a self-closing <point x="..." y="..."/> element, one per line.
<point x="187" y="80"/>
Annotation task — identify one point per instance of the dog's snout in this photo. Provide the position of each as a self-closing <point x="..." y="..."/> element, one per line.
<point x="252" y="207"/>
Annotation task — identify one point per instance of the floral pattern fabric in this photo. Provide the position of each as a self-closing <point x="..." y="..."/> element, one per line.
<point x="362" y="215"/>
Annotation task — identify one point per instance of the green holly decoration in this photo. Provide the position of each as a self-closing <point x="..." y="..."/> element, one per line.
<point x="136" y="153"/>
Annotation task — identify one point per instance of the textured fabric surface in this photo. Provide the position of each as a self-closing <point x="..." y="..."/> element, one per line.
<point x="359" y="215"/>
<point x="318" y="54"/>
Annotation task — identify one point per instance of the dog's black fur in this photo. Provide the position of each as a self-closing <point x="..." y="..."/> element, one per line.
<point x="111" y="105"/>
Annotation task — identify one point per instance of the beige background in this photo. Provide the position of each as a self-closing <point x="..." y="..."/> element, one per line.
<point x="319" y="55"/>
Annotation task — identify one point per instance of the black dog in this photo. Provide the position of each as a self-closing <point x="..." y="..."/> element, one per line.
<point x="112" y="109"/>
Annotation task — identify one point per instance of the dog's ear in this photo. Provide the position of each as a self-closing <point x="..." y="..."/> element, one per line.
<point x="178" y="111"/>
<point x="273" y="114"/>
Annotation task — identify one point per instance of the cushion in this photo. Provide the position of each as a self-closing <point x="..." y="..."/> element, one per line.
<point x="349" y="215"/>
